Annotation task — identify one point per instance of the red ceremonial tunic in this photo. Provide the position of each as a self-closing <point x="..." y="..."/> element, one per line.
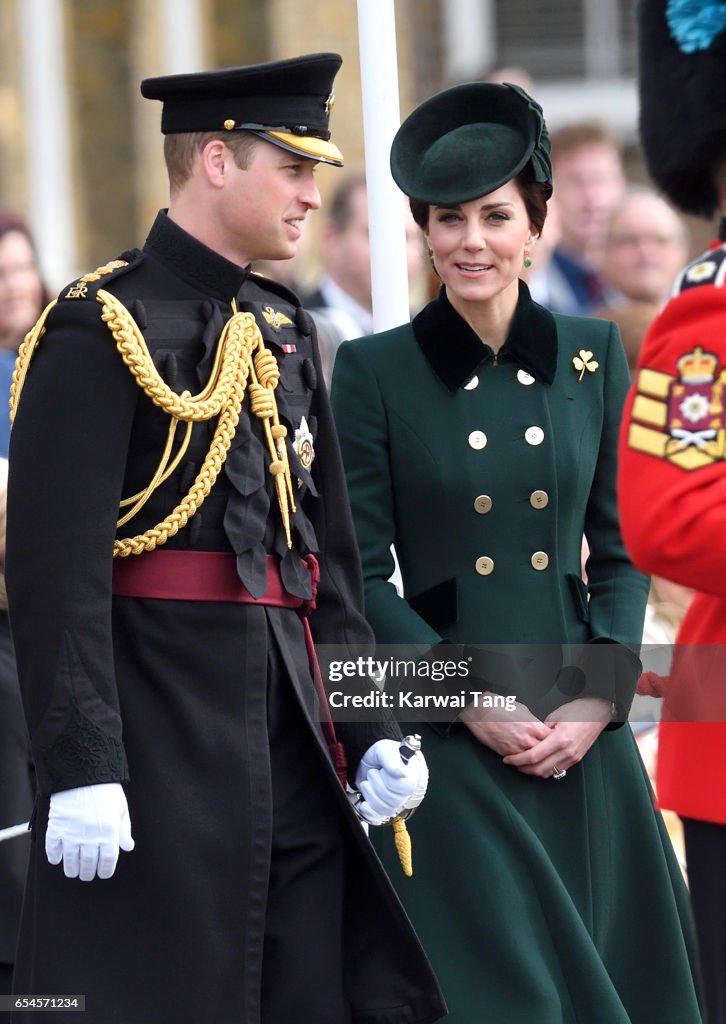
<point x="672" y="496"/>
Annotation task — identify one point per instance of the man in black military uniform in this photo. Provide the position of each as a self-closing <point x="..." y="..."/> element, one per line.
<point x="176" y="498"/>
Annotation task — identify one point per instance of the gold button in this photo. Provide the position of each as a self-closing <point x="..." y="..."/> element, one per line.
<point x="483" y="504"/>
<point x="540" y="560"/>
<point x="534" y="435"/>
<point x="477" y="440"/>
<point x="525" y="378"/>
<point x="229" y="124"/>
<point x="484" y="565"/>
<point x="539" y="499"/>
<point x="472" y="383"/>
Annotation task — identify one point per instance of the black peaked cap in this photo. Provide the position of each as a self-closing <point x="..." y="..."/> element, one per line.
<point x="288" y="102"/>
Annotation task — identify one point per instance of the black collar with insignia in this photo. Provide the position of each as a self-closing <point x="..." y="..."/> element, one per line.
<point x="194" y="262"/>
<point x="455" y="351"/>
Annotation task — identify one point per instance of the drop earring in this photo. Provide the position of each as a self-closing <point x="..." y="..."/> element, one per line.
<point x="527" y="260"/>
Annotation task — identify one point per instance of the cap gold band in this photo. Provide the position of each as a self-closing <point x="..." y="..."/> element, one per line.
<point x="309" y="146"/>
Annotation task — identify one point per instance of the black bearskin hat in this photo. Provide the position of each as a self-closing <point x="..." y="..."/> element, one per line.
<point x="682" y="86"/>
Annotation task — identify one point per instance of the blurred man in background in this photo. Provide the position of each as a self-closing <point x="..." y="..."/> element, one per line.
<point x="341" y="301"/>
<point x="646" y="245"/>
<point x="589" y="182"/>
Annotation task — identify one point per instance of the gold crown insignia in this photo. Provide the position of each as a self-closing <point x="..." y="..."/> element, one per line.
<point x="697" y="365"/>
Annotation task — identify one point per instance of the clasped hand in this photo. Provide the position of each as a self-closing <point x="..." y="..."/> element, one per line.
<point x="87" y="827"/>
<point x="537" y="747"/>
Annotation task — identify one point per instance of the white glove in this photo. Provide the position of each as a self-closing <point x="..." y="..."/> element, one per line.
<point x="388" y="784"/>
<point x="86" y="827"/>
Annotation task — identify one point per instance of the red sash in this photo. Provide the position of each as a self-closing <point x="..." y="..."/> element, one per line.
<point x="169" y="575"/>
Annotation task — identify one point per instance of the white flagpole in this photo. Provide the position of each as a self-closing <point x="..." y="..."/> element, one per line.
<point x="381" y="118"/>
<point x="13" y="831"/>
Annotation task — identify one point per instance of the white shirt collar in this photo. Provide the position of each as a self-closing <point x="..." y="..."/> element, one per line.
<point x="339" y="299"/>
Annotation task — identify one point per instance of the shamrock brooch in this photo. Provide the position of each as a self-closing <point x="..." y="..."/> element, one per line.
<point x="584" y="361"/>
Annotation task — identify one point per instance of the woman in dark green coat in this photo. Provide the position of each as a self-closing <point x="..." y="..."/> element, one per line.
<point x="480" y="441"/>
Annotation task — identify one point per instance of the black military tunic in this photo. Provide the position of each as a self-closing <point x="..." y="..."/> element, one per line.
<point x="206" y="707"/>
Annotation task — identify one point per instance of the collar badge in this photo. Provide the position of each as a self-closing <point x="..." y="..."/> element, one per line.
<point x="701" y="272"/>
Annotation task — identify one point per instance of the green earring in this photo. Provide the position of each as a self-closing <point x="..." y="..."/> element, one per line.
<point x="527" y="262"/>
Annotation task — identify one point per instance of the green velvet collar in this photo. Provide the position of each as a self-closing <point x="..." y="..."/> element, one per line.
<point x="454" y="350"/>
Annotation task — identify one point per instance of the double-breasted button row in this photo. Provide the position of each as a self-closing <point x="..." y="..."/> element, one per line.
<point x="484" y="565"/>
<point x="522" y="376"/>
<point x="483" y="502"/>
<point x="532" y="435"/>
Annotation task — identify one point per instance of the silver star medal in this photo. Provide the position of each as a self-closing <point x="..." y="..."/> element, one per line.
<point x="303" y="446"/>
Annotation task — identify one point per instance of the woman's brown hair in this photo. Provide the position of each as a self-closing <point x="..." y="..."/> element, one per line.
<point x="534" y="193"/>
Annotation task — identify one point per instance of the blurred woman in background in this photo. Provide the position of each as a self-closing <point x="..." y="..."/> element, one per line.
<point x="23" y="296"/>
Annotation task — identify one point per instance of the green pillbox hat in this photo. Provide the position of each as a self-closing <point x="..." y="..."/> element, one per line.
<point x="468" y="141"/>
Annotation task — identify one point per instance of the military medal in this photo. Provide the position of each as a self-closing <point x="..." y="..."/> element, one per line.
<point x="303" y="445"/>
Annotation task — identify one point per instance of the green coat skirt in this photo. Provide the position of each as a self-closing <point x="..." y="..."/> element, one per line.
<point x="544" y="901"/>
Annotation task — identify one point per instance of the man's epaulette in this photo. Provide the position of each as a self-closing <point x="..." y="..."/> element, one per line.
<point x="84" y="286"/>
<point x="708" y="268"/>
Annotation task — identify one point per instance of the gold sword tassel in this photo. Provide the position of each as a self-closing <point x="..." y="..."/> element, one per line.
<point x="403" y="845"/>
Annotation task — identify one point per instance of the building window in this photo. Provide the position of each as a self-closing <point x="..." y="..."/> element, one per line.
<point x="561" y="39"/>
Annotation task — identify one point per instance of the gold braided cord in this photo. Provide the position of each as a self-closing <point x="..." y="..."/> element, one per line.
<point x="268" y="373"/>
<point x="163" y="472"/>
<point x="32" y="338"/>
<point x="223" y="395"/>
<point x="200" y="488"/>
<point x="25" y="356"/>
<point x="262" y="403"/>
<point x="240" y="354"/>
<point x="239" y="338"/>
<point x="168" y="470"/>
<point x="135" y="354"/>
